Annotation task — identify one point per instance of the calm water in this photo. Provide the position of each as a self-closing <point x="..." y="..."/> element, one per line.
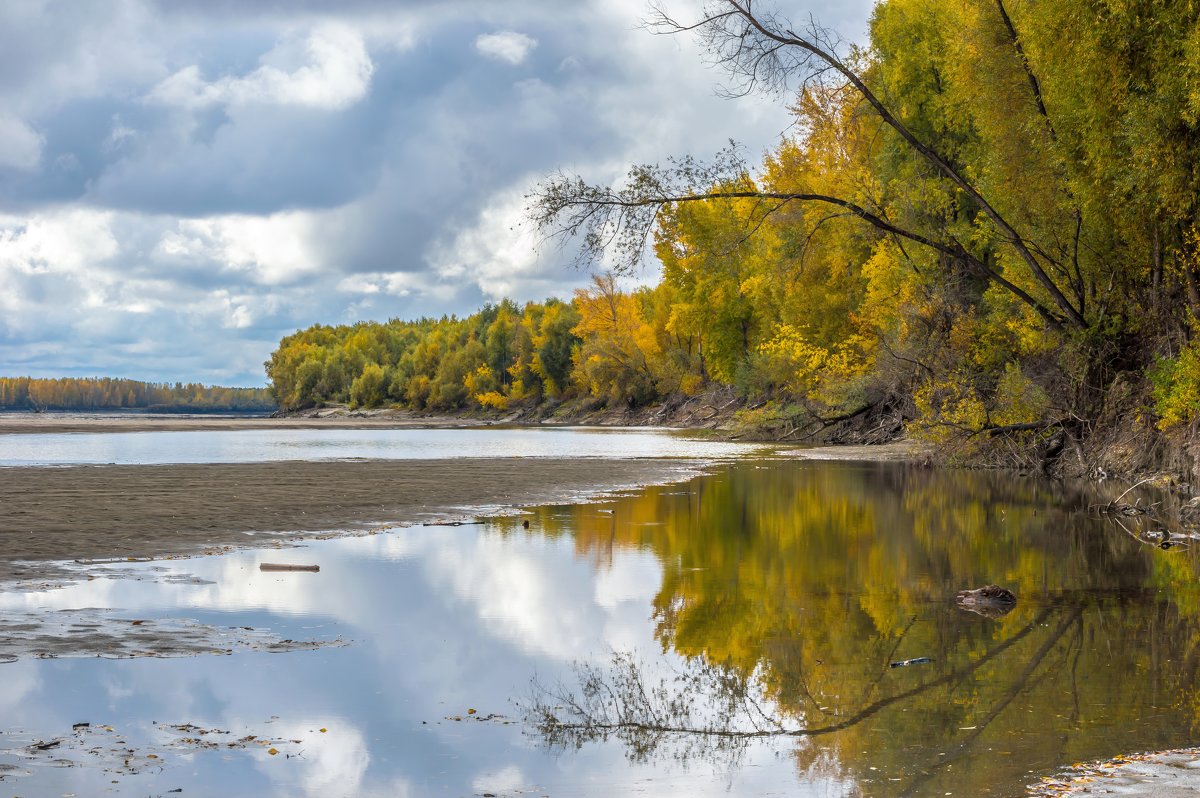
<point x="256" y="446"/>
<point x="764" y="602"/>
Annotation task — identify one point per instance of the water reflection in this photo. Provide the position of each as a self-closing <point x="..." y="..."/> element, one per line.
<point x="809" y="581"/>
<point x="754" y="613"/>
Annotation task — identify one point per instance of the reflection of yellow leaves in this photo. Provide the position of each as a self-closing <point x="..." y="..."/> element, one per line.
<point x="272" y="751"/>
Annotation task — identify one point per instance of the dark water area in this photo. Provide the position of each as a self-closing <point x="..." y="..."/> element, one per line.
<point x="732" y="635"/>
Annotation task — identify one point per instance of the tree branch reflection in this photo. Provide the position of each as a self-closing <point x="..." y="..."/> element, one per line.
<point x="706" y="710"/>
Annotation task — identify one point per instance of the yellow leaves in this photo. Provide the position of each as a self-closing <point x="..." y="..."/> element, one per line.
<point x="789" y="343"/>
<point x="816" y="371"/>
<point x="691" y="385"/>
<point x="492" y="399"/>
<point x="1019" y="400"/>
<point x="948" y="407"/>
<point x="1176" y="387"/>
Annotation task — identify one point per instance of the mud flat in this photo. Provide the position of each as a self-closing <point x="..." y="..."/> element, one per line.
<point x="121" y="512"/>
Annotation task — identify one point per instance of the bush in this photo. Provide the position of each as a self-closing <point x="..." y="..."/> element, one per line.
<point x="1176" y="385"/>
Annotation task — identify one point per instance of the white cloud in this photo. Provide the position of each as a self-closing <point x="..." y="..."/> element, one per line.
<point x="498" y="252"/>
<point x="272" y="250"/>
<point x="330" y="69"/>
<point x="507" y="46"/>
<point x="393" y="283"/>
<point x="63" y="241"/>
<point x="20" y="145"/>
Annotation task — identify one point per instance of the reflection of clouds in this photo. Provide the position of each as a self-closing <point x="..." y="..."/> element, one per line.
<point x="536" y="595"/>
<point x="445" y="619"/>
<point x="626" y="590"/>
<point x="533" y="593"/>
<point x="20" y="679"/>
<point x="333" y="764"/>
<point x="502" y="782"/>
<point x="518" y="596"/>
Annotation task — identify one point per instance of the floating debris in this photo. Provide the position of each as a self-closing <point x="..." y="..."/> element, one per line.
<point x="904" y="663"/>
<point x="990" y="601"/>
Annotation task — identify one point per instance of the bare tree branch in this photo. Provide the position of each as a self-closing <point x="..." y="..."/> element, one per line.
<point x="616" y="222"/>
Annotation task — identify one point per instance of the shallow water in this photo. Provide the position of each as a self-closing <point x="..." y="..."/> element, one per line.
<point x="256" y="446"/>
<point x="764" y="602"/>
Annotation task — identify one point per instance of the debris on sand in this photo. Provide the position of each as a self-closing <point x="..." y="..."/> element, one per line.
<point x="1174" y="772"/>
<point x="94" y="632"/>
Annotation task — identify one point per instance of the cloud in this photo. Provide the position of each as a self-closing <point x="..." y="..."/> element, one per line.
<point x="507" y="46"/>
<point x="20" y="145"/>
<point x="329" y="69"/>
<point x="497" y="251"/>
<point x="394" y="283"/>
<point x="271" y="250"/>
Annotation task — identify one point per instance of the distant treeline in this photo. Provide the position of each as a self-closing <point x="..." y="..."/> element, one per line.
<point x="502" y="354"/>
<point x="106" y="393"/>
<point x="605" y="346"/>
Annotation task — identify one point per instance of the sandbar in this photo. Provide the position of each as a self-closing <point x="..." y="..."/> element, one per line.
<point x="147" y="511"/>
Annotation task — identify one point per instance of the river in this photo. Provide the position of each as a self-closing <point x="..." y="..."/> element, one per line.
<point x="730" y="635"/>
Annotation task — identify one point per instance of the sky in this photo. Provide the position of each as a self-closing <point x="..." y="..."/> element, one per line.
<point x="184" y="182"/>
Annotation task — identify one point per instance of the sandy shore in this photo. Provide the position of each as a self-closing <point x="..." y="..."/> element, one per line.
<point x="106" y="512"/>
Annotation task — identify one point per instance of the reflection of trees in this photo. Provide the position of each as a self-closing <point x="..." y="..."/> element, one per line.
<point x="803" y="581"/>
<point x="713" y="712"/>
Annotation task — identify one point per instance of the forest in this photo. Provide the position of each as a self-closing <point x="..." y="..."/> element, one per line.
<point x="984" y="222"/>
<point x="106" y="393"/>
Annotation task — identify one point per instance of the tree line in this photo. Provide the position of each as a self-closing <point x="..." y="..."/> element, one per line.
<point x="985" y="219"/>
<point x="106" y="393"/>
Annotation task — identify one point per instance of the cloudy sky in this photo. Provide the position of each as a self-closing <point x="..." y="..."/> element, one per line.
<point x="182" y="182"/>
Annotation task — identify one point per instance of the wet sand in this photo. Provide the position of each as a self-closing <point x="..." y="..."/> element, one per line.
<point x="120" y="512"/>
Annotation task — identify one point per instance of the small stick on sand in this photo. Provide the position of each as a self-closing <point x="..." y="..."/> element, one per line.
<point x="272" y="566"/>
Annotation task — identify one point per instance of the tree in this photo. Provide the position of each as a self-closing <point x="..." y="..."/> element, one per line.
<point x="760" y="49"/>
